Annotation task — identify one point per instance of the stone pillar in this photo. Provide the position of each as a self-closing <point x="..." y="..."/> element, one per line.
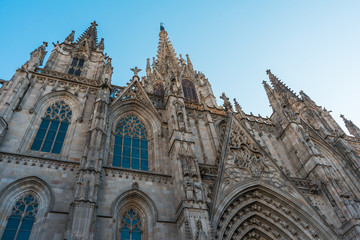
<point x="82" y="216"/>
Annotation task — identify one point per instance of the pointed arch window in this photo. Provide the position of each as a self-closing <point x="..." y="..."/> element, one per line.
<point x="130" y="226"/>
<point x="21" y="219"/>
<point x="189" y="91"/>
<point x="52" y="130"/>
<point x="76" y="66"/>
<point x="131" y="144"/>
<point x="159" y="89"/>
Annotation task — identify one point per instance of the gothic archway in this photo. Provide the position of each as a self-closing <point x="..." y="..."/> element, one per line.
<point x="261" y="213"/>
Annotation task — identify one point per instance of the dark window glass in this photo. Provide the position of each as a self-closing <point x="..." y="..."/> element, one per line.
<point x="76" y="64"/>
<point x="81" y="63"/>
<point x="52" y="130"/>
<point x="21" y="219"/>
<point x="131" y="145"/>
<point x="189" y="91"/>
<point x="71" y="71"/>
<point x="159" y="89"/>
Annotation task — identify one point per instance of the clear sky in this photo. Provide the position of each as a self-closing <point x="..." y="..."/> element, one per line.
<point x="310" y="45"/>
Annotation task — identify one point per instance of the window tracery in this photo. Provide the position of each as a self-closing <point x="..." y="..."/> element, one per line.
<point x="131" y="144"/>
<point x="189" y="91"/>
<point x="130" y="226"/>
<point x="21" y="219"/>
<point x="159" y="89"/>
<point x="76" y="66"/>
<point x="52" y="130"/>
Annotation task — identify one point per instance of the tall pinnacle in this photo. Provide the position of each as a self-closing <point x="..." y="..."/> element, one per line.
<point x="353" y="129"/>
<point x="270" y="94"/>
<point x="280" y="87"/>
<point x="90" y="36"/>
<point x="165" y="48"/>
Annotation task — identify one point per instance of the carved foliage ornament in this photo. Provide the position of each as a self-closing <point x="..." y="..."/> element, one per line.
<point x="245" y="158"/>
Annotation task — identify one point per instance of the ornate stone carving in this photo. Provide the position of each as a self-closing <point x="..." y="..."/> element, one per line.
<point x="248" y="159"/>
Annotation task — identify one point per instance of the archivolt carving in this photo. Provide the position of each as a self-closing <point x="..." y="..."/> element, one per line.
<point x="257" y="214"/>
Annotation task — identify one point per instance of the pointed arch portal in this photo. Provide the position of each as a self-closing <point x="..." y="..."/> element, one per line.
<point x="258" y="213"/>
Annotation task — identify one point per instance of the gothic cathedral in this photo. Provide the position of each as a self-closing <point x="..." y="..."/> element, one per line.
<point x="159" y="159"/>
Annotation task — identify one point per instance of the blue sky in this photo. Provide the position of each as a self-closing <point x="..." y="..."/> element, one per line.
<point x="312" y="46"/>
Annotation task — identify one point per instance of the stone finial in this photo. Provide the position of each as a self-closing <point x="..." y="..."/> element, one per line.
<point x="353" y="129"/>
<point x="100" y="46"/>
<point x="237" y="106"/>
<point x="189" y="63"/>
<point x="69" y="39"/>
<point x="227" y="104"/>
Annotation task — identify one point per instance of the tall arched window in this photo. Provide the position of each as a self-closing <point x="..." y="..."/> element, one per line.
<point x="51" y="134"/>
<point x="189" y="91"/>
<point x="130" y="226"/>
<point x="159" y="89"/>
<point x="21" y="219"/>
<point x="76" y="66"/>
<point x="131" y="144"/>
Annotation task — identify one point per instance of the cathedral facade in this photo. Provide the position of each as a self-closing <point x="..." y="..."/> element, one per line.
<point x="158" y="159"/>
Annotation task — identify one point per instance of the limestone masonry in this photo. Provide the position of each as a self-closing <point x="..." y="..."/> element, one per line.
<point x="158" y="159"/>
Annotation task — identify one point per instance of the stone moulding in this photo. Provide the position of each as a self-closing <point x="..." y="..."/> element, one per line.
<point x="38" y="161"/>
<point x="67" y="77"/>
<point x="138" y="175"/>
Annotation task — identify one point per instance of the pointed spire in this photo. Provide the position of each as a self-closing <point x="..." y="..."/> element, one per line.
<point x="165" y="47"/>
<point x="90" y="35"/>
<point x="238" y="107"/>
<point x="69" y="39"/>
<point x="189" y="62"/>
<point x="280" y="87"/>
<point x="270" y="94"/>
<point x="148" y="68"/>
<point x="100" y="46"/>
<point x="306" y="98"/>
<point x="36" y="58"/>
<point x="353" y="129"/>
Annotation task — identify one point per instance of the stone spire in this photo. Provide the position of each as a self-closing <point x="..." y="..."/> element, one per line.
<point x="353" y="129"/>
<point x="89" y="36"/>
<point x="69" y="39"/>
<point x="270" y="94"/>
<point x="281" y="88"/>
<point x="307" y="99"/>
<point x="148" y="68"/>
<point x="165" y="48"/>
<point x="238" y="108"/>
<point x="36" y="58"/>
<point x="100" y="46"/>
<point x="189" y="62"/>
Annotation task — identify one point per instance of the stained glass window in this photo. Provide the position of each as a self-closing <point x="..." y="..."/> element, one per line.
<point x="130" y="226"/>
<point x="159" y="89"/>
<point x="52" y="130"/>
<point x="189" y="91"/>
<point x="131" y="144"/>
<point x="21" y="219"/>
<point x="76" y="66"/>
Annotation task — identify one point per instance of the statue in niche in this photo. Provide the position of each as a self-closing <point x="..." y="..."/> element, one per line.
<point x="181" y="121"/>
<point x="198" y="192"/>
<point x="174" y="87"/>
<point x="189" y="190"/>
